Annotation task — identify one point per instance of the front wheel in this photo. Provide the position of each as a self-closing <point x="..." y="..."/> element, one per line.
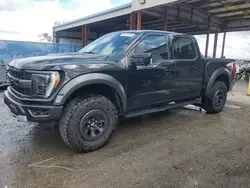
<point x="216" y="99"/>
<point x="88" y="122"/>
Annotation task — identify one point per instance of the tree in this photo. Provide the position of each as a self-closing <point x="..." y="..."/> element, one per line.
<point x="45" y="37"/>
<point x="57" y="23"/>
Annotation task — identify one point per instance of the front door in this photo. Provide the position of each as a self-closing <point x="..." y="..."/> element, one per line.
<point x="152" y="84"/>
<point x="189" y="70"/>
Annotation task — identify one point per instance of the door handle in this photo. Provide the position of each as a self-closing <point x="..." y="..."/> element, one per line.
<point x="167" y="70"/>
<point x="195" y="68"/>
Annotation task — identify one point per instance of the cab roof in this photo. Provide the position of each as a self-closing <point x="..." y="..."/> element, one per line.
<point x="154" y="31"/>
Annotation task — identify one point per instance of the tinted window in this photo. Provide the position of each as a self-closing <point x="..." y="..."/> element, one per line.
<point x="183" y="48"/>
<point x="112" y="44"/>
<point x="156" y="45"/>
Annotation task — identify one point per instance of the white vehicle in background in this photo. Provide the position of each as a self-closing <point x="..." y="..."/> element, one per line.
<point x="242" y="69"/>
<point x="247" y="70"/>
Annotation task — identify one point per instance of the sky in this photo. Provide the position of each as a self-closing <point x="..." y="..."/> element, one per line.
<point x="237" y="45"/>
<point x="24" y="20"/>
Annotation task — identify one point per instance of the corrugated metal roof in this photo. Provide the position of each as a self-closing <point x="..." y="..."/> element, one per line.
<point x="188" y="16"/>
<point x="224" y="8"/>
<point x="118" y="8"/>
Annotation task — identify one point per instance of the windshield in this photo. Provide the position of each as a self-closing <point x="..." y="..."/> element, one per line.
<point x="111" y="44"/>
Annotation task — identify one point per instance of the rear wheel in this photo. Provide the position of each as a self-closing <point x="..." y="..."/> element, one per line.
<point x="88" y="122"/>
<point x="216" y="99"/>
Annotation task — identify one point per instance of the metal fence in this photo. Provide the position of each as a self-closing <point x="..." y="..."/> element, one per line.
<point x="16" y="49"/>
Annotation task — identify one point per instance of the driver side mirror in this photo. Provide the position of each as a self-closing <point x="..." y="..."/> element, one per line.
<point x="141" y="59"/>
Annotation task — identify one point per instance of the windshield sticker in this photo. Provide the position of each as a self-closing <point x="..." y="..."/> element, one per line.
<point x="127" y="35"/>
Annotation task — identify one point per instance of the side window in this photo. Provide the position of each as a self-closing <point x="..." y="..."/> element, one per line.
<point x="183" y="48"/>
<point x="156" y="45"/>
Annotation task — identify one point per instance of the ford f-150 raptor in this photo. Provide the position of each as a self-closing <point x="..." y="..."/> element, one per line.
<point x="125" y="73"/>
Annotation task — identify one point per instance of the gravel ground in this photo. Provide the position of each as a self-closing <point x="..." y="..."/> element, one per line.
<point x="179" y="148"/>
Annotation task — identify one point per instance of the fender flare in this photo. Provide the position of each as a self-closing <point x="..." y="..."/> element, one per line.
<point x="87" y="79"/>
<point x="215" y="75"/>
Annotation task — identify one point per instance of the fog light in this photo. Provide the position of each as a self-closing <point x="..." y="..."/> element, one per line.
<point x="39" y="111"/>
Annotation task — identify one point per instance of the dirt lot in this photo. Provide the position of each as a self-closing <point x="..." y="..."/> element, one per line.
<point x="181" y="148"/>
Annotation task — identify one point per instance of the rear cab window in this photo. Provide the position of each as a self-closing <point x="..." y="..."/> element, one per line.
<point x="183" y="48"/>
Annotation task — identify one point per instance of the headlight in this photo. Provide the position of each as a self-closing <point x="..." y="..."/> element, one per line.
<point x="44" y="84"/>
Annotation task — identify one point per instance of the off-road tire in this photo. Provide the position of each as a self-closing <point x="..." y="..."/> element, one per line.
<point x="208" y="101"/>
<point x="71" y="118"/>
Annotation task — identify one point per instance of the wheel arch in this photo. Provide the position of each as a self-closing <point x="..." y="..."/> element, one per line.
<point x="221" y="74"/>
<point x="91" y="80"/>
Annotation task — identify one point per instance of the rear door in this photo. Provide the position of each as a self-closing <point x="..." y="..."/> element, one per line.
<point x="189" y="69"/>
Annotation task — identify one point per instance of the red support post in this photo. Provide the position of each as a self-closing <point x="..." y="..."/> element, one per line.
<point x="139" y="18"/>
<point x="165" y="26"/>
<point x="84" y="35"/>
<point x="166" y="19"/>
<point x="132" y="21"/>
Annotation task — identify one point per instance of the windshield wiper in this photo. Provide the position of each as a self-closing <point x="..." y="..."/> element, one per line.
<point x="89" y="52"/>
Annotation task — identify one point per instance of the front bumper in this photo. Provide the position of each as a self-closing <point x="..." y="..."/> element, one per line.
<point x="32" y="113"/>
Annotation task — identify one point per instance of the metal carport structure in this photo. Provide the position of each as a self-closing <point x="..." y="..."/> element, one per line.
<point x="185" y="16"/>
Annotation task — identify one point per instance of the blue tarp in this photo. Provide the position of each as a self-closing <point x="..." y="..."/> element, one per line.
<point x="16" y="49"/>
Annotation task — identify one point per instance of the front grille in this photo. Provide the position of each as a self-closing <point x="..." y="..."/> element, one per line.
<point x="19" y="74"/>
<point x="23" y="91"/>
<point x="15" y="76"/>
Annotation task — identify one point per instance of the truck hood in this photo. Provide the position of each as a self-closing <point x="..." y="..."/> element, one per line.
<point x="55" y="61"/>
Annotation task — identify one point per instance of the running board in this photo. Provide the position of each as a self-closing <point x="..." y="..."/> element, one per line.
<point x="159" y="109"/>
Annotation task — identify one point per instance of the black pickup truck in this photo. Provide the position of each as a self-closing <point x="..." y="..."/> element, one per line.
<point x="127" y="73"/>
